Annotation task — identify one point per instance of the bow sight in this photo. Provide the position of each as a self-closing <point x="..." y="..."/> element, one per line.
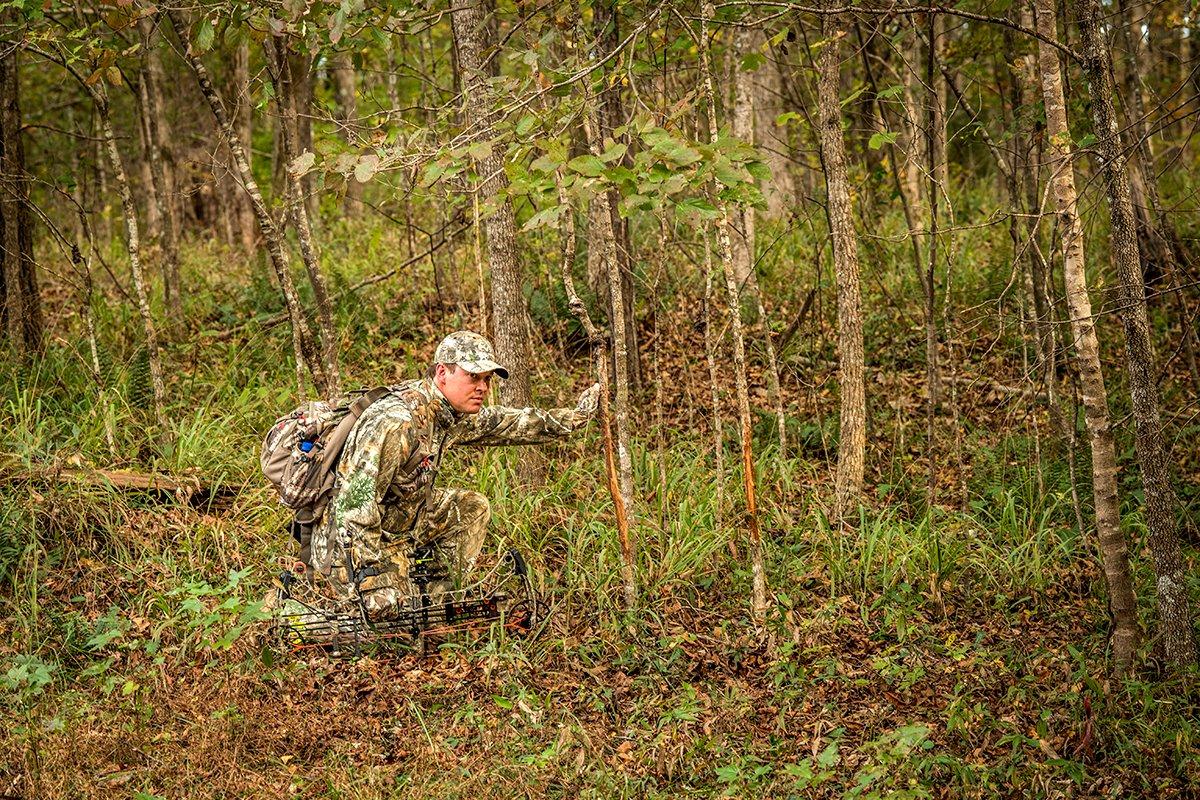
<point x="503" y="595"/>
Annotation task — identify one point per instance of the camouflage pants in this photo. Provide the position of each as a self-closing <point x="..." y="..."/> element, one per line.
<point x="453" y="529"/>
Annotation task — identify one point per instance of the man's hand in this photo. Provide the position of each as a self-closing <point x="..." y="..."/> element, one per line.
<point x="585" y="409"/>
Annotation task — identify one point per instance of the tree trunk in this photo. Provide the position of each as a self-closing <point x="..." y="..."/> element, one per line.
<point x="285" y="102"/>
<point x="508" y="304"/>
<point x="302" y="339"/>
<point x="243" y="121"/>
<point x="758" y="570"/>
<point x="154" y="121"/>
<point x="1113" y="544"/>
<point x="743" y="130"/>
<point x="21" y="309"/>
<point x="132" y="241"/>
<point x="606" y="24"/>
<point x="851" y="364"/>
<point x="1162" y="538"/>
<point x="936" y="149"/>
<point x="1156" y="229"/>
<point x="773" y="140"/>
<point x="745" y="268"/>
<point x="711" y="346"/>
<point x="345" y="84"/>
<point x="145" y="164"/>
<point x="618" y="463"/>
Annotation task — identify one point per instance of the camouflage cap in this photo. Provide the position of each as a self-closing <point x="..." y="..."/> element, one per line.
<point x="470" y="351"/>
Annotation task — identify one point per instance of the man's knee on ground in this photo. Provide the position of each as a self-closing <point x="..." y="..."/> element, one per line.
<point x="475" y="508"/>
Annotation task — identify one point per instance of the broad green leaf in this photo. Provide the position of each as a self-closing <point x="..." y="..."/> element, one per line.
<point x="544" y="217"/>
<point x="728" y="174"/>
<point x="696" y="207"/>
<point x="545" y="164"/>
<point x="759" y="170"/>
<point x="786" y="117"/>
<point x="205" y="33"/>
<point x="432" y="173"/>
<point x="588" y="165"/>
<point x="881" y="138"/>
<point x="525" y="124"/>
<point x="752" y="61"/>
<point x="614" y="152"/>
<point x="891" y="91"/>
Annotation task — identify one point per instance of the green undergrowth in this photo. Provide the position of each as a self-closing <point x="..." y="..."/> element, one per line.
<point x="958" y="650"/>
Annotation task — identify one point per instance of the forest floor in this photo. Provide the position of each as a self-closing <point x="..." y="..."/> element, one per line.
<point x="958" y="652"/>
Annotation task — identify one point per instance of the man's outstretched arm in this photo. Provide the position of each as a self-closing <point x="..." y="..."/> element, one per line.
<point x="500" y="425"/>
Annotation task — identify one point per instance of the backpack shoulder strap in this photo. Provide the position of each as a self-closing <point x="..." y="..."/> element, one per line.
<point x="337" y="438"/>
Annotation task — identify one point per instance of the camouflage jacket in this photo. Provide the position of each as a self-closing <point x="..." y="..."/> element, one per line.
<point x="387" y="469"/>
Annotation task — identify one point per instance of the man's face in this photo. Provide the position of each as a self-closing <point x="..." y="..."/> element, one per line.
<point x="466" y="391"/>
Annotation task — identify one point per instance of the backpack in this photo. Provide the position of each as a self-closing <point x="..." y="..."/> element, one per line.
<point x="300" y="455"/>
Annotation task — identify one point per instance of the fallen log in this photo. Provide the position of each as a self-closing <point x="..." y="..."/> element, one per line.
<point x="185" y="489"/>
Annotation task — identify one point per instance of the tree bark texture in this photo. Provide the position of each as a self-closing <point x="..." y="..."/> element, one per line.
<point x="21" y="310"/>
<point x="607" y="245"/>
<point x="936" y="148"/>
<point x="508" y="303"/>
<point x="607" y="26"/>
<point x="243" y="121"/>
<point x="1157" y="236"/>
<point x="300" y="85"/>
<point x="154" y="123"/>
<point x="1153" y="456"/>
<point x="711" y="345"/>
<point x="619" y="482"/>
<point x="758" y="571"/>
<point x="1114" y="546"/>
<point x="302" y="338"/>
<point x="286" y="104"/>
<point x="851" y="366"/>
<point x="133" y="244"/>
<point x="345" y="87"/>
<point x="746" y="270"/>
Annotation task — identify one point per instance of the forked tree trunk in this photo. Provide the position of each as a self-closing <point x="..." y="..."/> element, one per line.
<point x="757" y="568"/>
<point x="618" y="478"/>
<point x="20" y="302"/>
<point x="133" y="244"/>
<point x="302" y="338"/>
<point x="851" y="365"/>
<point x="508" y="304"/>
<point x="278" y="53"/>
<point x="1162" y="536"/>
<point x="1113" y="543"/>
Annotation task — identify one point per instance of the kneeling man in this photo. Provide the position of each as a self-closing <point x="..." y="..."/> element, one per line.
<point x="384" y="501"/>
